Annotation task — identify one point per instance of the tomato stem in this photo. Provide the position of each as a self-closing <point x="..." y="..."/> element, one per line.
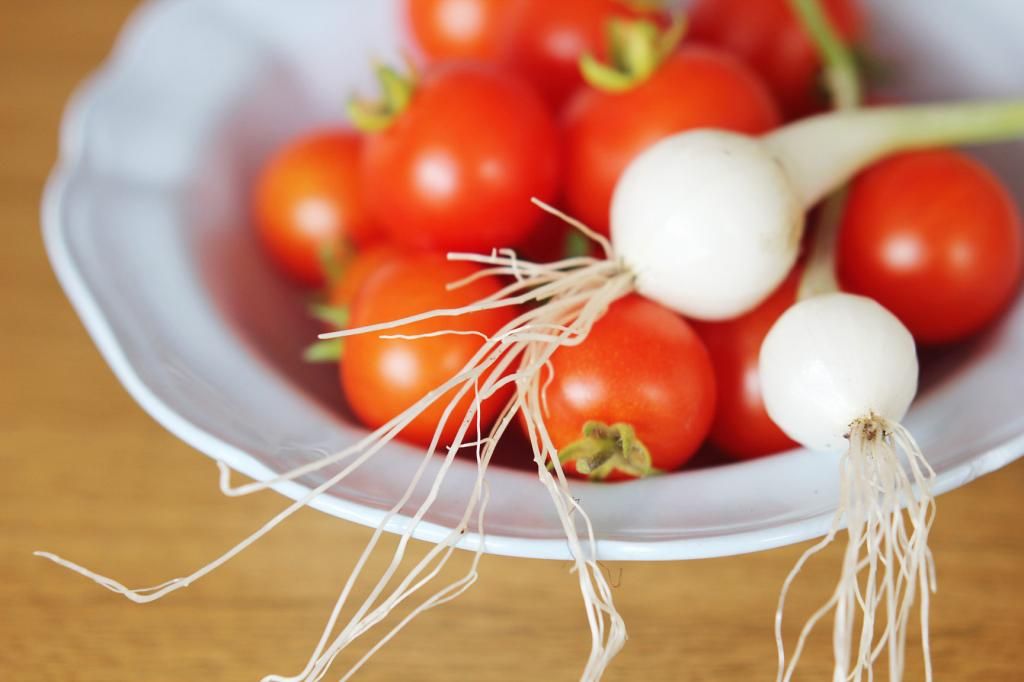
<point x="329" y="350"/>
<point x="605" y="449"/>
<point x="333" y="315"/>
<point x="323" y="351"/>
<point x="576" y="245"/>
<point x="332" y="259"/>
<point x="637" y="49"/>
<point x="397" y="90"/>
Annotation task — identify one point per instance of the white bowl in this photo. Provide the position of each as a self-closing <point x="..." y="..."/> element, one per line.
<point x="146" y="225"/>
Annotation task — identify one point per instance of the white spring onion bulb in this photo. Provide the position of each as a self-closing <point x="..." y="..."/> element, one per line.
<point x="832" y="360"/>
<point x="838" y="373"/>
<point x="709" y="222"/>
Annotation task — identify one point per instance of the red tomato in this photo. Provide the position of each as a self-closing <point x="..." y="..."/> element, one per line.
<point x="550" y="36"/>
<point x="769" y="37"/>
<point x="556" y="240"/>
<point x="359" y="269"/>
<point x="459" y="29"/>
<point x="641" y="365"/>
<point x="384" y="377"/>
<point x="307" y="199"/>
<point x="457" y="169"/>
<point x="742" y="428"/>
<point x="935" y="238"/>
<point x="697" y="87"/>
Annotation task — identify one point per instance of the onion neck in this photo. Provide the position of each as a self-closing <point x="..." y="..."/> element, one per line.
<point x="822" y="153"/>
<point x="840" y="66"/>
<point x="844" y="84"/>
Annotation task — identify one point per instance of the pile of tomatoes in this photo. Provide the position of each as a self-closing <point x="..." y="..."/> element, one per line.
<point x="498" y="111"/>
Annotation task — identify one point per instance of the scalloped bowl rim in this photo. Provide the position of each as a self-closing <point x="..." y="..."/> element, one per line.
<point x="74" y="129"/>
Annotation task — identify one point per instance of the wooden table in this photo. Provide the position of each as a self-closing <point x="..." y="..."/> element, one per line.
<point x="87" y="473"/>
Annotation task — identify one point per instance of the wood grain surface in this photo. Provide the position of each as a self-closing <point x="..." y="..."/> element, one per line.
<point x="85" y="472"/>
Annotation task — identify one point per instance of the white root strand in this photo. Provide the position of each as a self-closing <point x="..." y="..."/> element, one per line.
<point x="575" y="294"/>
<point x="887" y="563"/>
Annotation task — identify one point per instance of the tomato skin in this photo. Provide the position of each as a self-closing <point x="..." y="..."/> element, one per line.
<point x="641" y="364"/>
<point x="308" y="196"/>
<point x="768" y="36"/>
<point x="742" y="428"/>
<point x="697" y="87"/>
<point x="549" y="36"/>
<point x="362" y="266"/>
<point x="934" y="237"/>
<point x="459" y="29"/>
<point x="457" y="169"/>
<point x="383" y="377"/>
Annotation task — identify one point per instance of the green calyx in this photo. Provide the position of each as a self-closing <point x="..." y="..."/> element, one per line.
<point x="327" y="350"/>
<point x="637" y="48"/>
<point x="332" y="259"/>
<point x="576" y="245"/>
<point x="605" y="449"/>
<point x="328" y="314"/>
<point x="396" y="89"/>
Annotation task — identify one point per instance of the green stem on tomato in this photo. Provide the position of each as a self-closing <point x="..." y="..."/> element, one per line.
<point x="605" y="449"/>
<point x="332" y="261"/>
<point x="576" y="245"/>
<point x="323" y="351"/>
<point x="842" y="77"/>
<point x="636" y="48"/>
<point x="397" y="89"/>
<point x="336" y="316"/>
<point x="328" y="350"/>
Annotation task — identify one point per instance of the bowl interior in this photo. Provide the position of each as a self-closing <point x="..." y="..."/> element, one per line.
<point x="148" y="227"/>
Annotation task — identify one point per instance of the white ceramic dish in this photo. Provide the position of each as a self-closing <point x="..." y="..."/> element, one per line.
<point x="145" y="224"/>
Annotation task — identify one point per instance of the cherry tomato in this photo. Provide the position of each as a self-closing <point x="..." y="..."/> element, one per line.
<point x="456" y="170"/>
<point x="935" y="238"/>
<point x="549" y="37"/>
<point x="697" y="87"/>
<point x="360" y="268"/>
<point x="556" y="240"/>
<point x="459" y="29"/>
<point x="307" y="199"/>
<point x="643" y="366"/>
<point x="742" y="428"/>
<point x="383" y="377"/>
<point x="768" y="36"/>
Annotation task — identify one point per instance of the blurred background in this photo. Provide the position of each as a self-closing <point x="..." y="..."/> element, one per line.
<point x="84" y="471"/>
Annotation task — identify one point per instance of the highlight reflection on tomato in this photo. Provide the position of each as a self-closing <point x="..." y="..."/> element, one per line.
<point x="308" y="204"/>
<point x="455" y="171"/>
<point x="934" y="237"/>
<point x="459" y="29"/>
